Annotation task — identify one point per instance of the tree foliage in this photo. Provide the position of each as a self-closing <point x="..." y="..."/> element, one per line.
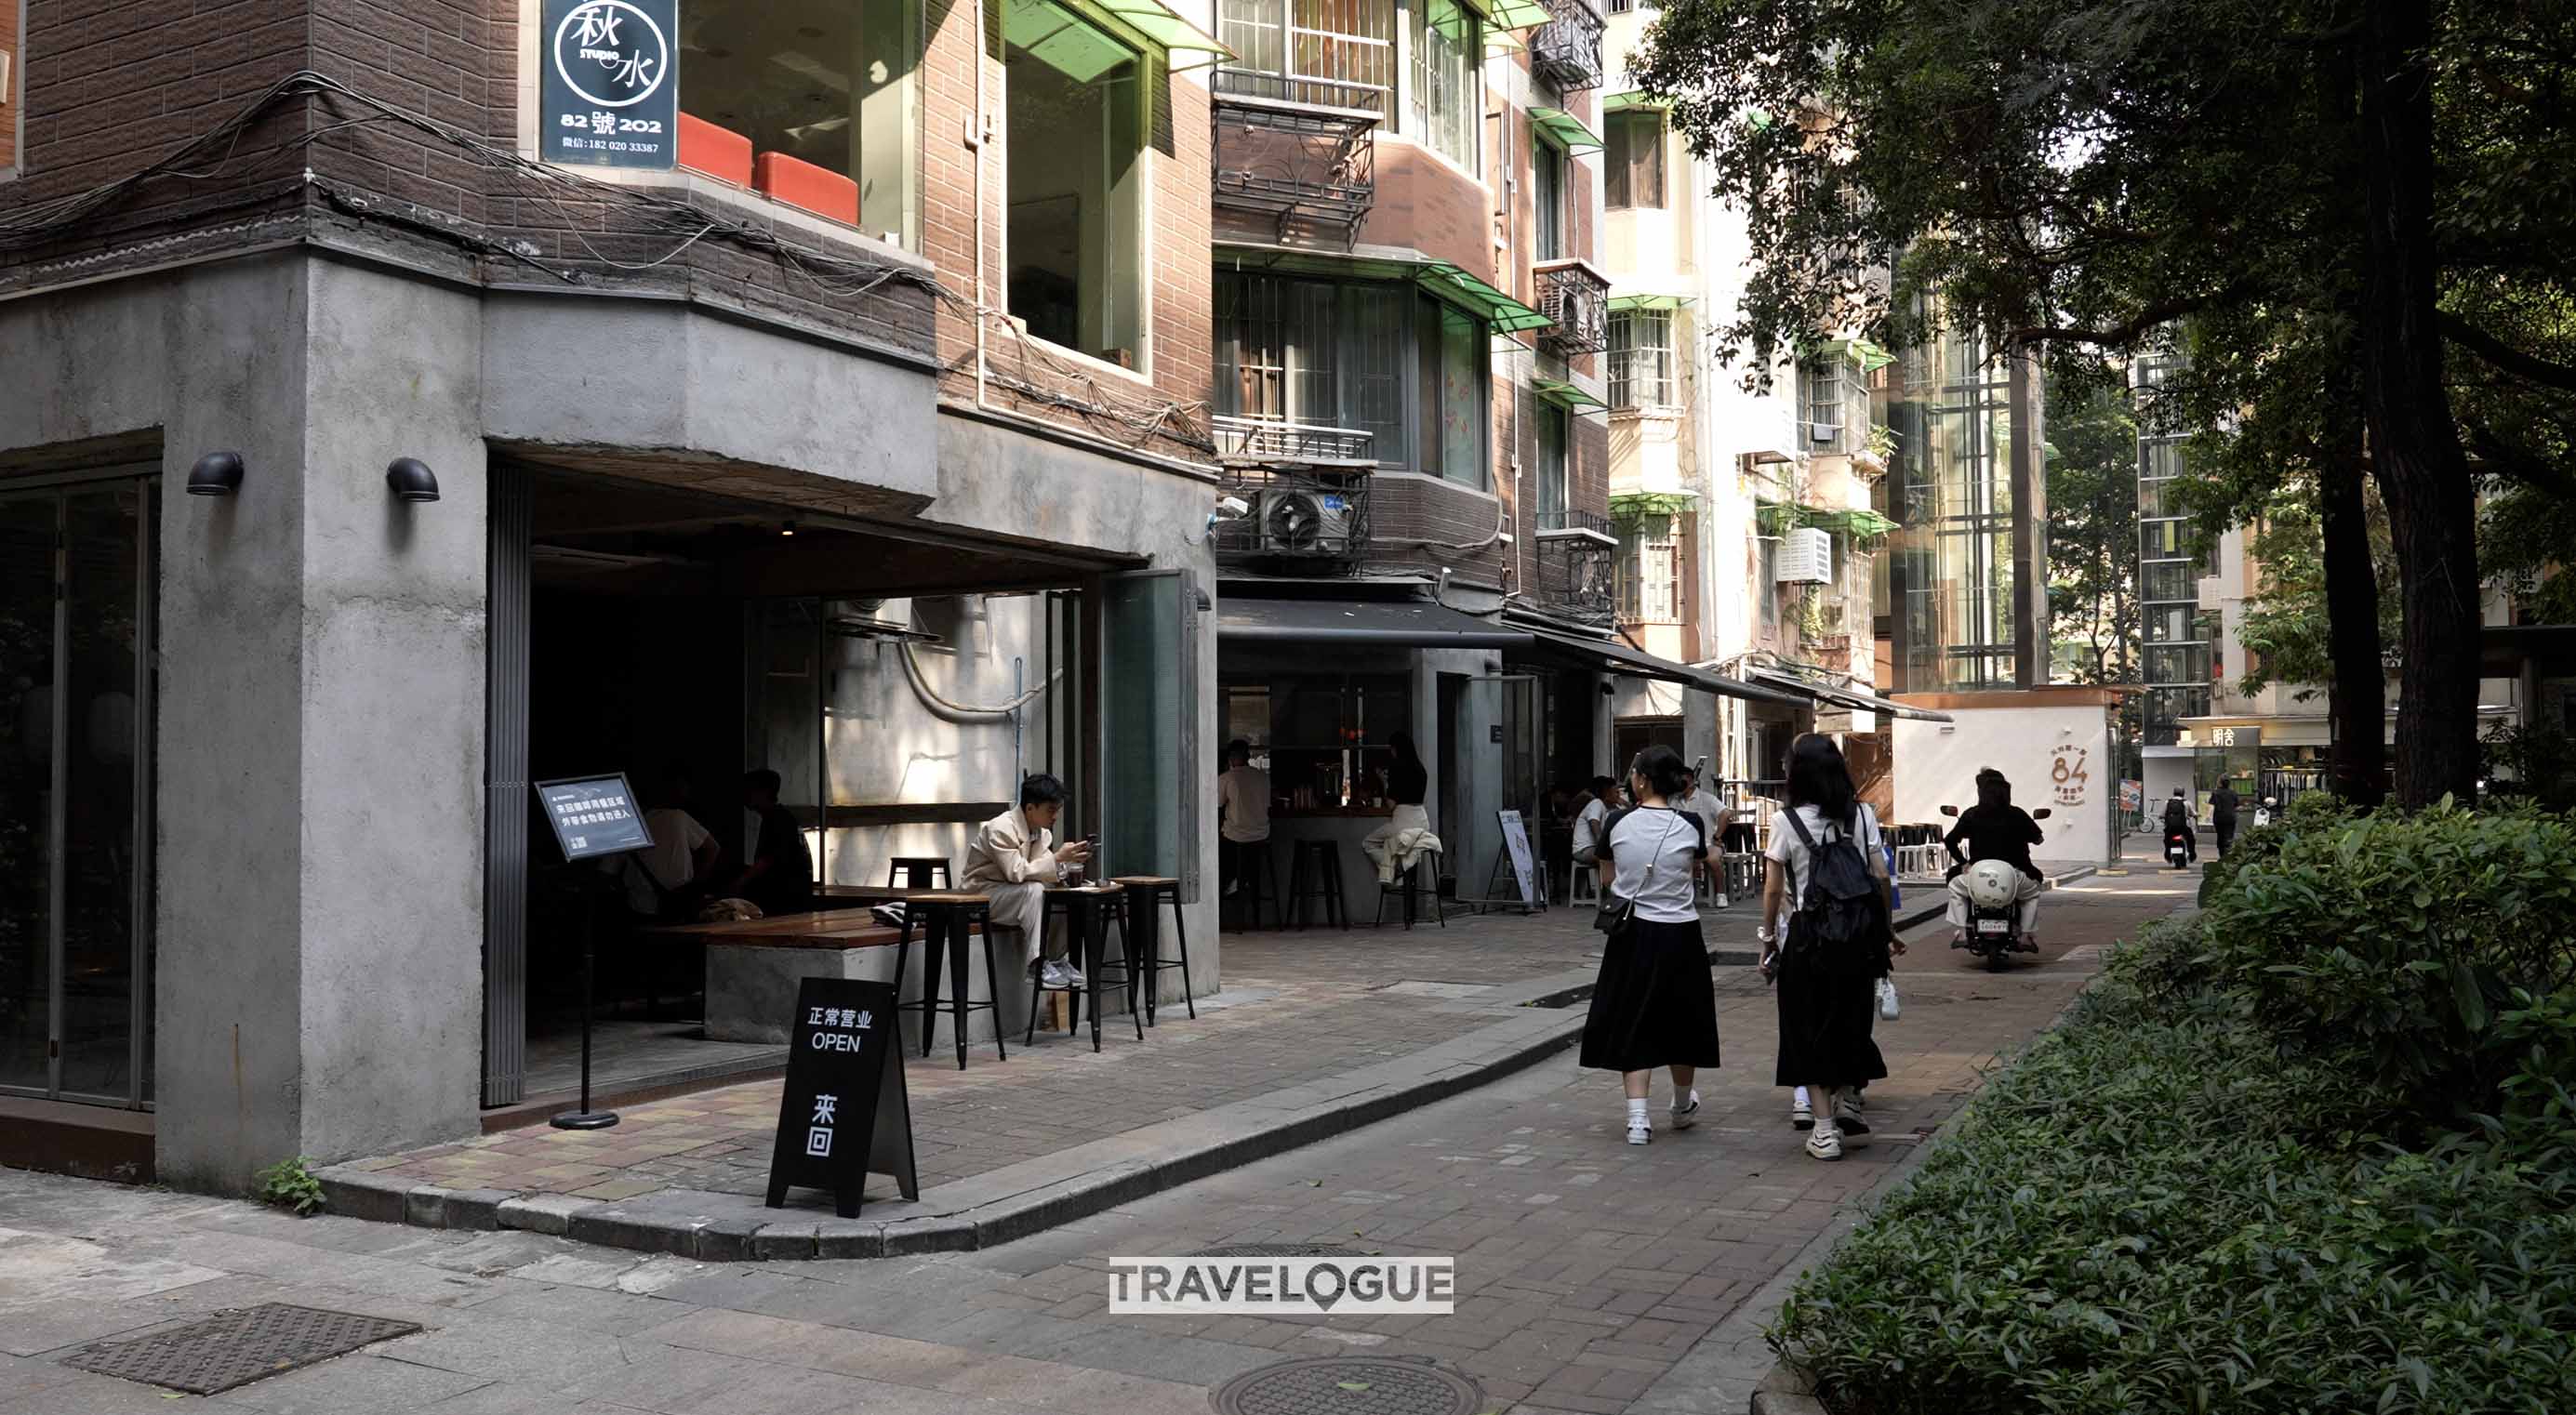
<point x="2093" y="528"/>
<point x="2284" y="630"/>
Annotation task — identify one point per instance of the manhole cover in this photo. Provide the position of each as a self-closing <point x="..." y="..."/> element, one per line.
<point x="1282" y="1250"/>
<point x="235" y="1348"/>
<point x="1348" y="1385"/>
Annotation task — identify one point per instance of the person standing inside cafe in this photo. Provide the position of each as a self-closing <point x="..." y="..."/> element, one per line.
<point x="780" y="875"/>
<point x="1242" y="810"/>
<point x="1392" y="846"/>
<point x="1012" y="860"/>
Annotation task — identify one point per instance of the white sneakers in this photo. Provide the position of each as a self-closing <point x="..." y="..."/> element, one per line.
<point x="1056" y="973"/>
<point x="1640" y="1133"/>
<point x="1801" y="1115"/>
<point x="1848" y="1117"/>
<point x="1686" y="1111"/>
<point x="1824" y="1144"/>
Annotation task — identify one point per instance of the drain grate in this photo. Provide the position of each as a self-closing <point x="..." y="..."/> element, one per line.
<point x="235" y="1348"/>
<point x="1348" y="1385"/>
<point x="1282" y="1250"/>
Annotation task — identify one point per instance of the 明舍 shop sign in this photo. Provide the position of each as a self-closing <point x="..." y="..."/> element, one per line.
<point x="610" y="96"/>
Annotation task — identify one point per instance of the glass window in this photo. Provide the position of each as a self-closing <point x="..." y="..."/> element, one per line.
<point x="1552" y="466"/>
<point x="1448" y="79"/>
<point x="1339" y="53"/>
<point x="1641" y="358"/>
<point x="1824" y="389"/>
<point x="1547" y="200"/>
<point x="1376" y="357"/>
<point x="2169" y="580"/>
<point x="1075" y="140"/>
<point x="1632" y="159"/>
<point x="830" y="82"/>
<point x="1650" y="583"/>
<point x="2164" y="540"/>
<point x="1451" y="346"/>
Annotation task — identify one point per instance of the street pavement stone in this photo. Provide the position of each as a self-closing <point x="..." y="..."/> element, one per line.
<point x="1590" y="1271"/>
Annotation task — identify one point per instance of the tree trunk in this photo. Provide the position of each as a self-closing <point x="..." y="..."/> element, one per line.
<point x="2357" y="695"/>
<point x="2415" y="444"/>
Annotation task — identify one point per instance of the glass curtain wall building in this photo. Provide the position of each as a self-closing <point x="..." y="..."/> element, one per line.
<point x="2175" y="661"/>
<point x="1949" y="489"/>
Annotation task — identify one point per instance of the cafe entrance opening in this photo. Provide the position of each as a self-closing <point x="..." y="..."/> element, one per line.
<point x="899" y="678"/>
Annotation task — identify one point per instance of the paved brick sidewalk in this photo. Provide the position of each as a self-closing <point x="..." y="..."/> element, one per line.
<point x="1298" y="1008"/>
<point x="1588" y="1269"/>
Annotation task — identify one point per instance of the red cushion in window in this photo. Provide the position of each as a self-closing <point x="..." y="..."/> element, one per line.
<point x="718" y="152"/>
<point x="803" y="184"/>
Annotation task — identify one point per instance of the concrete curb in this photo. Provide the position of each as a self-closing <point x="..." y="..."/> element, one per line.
<point x="999" y="1206"/>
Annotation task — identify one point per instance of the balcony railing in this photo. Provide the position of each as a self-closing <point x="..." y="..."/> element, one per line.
<point x="1305" y="487"/>
<point x="1577" y="297"/>
<point x="1566" y="51"/>
<point x="1578" y="523"/>
<point x="1576" y="566"/>
<point x="1297" y="149"/>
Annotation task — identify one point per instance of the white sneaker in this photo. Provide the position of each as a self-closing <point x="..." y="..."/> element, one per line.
<point x="1072" y="976"/>
<point x="1824" y="1144"/>
<point x="1052" y="974"/>
<point x="1686" y="1111"/>
<point x="1800" y="1116"/>
<point x="1848" y="1116"/>
<point x="1640" y="1133"/>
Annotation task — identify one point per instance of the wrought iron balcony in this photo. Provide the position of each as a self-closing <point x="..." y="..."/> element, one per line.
<point x="1576" y="550"/>
<point x="1577" y="297"/>
<point x="1565" y="53"/>
<point x="1296" y="148"/>
<point x="1306" y="489"/>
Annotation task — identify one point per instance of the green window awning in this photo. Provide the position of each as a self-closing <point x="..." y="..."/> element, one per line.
<point x="1648" y="302"/>
<point x="1631" y="98"/>
<point x="1066" y="37"/>
<point x="1869" y="356"/>
<point x="1505" y="314"/>
<point x="1558" y="391"/>
<point x="1857" y="523"/>
<point x="1564" y="129"/>
<point x="1499" y="42"/>
<point x="1512" y="14"/>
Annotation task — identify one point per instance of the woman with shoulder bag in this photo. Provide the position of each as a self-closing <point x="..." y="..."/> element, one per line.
<point x="1829" y="876"/>
<point x="1654" y="1005"/>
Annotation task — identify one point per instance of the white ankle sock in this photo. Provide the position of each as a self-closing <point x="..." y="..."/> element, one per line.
<point x="1637" y="1112"/>
<point x="1685" y="1099"/>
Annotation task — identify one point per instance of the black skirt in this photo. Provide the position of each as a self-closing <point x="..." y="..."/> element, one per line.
<point x="1826" y="1016"/>
<point x="1653" y="1005"/>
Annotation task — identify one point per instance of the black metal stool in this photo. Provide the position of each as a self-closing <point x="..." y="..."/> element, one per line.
<point x="1409" y="887"/>
<point x="1145" y="896"/>
<point x="1088" y="912"/>
<point x="1255" y="880"/>
<point x="1315" y="872"/>
<point x="944" y="919"/>
<point x="916" y="871"/>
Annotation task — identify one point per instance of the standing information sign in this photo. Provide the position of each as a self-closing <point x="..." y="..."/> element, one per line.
<point x="844" y="1114"/>
<point x="1524" y="866"/>
<point x="610" y="91"/>
<point x="593" y="817"/>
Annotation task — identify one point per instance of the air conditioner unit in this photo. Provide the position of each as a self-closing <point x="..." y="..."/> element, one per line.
<point x="1305" y="522"/>
<point x="1806" y="558"/>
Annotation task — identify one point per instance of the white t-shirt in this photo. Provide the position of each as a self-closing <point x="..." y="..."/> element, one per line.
<point x="1587" y="824"/>
<point x="1711" y="812"/>
<point x="672" y="861"/>
<point x="1789" y="851"/>
<point x="1243" y="794"/>
<point x="1669" y="842"/>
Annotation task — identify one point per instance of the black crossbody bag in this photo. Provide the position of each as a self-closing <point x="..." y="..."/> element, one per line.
<point x="1617" y="916"/>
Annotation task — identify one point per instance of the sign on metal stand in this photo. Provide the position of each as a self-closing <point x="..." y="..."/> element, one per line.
<point x="844" y="1114"/>
<point x="593" y="817"/>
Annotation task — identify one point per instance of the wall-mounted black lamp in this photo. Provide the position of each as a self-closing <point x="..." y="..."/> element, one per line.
<point x="216" y="474"/>
<point x="411" y="479"/>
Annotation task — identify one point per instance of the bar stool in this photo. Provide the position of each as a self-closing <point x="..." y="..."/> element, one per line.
<point x="1409" y="887"/>
<point x="1145" y="896"/>
<point x="1315" y="872"/>
<point x="1585" y="887"/>
<point x="916" y="871"/>
<point x="1256" y="881"/>
<point x="1088" y="912"/>
<point x="944" y="918"/>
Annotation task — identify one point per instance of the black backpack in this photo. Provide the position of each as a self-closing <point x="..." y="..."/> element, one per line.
<point x="1842" y="923"/>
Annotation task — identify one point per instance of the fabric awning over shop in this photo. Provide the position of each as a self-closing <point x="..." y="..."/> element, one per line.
<point x="1840" y="696"/>
<point x="1565" y="130"/>
<point x="1388" y="623"/>
<point x="1611" y="656"/>
<point x="1505" y="314"/>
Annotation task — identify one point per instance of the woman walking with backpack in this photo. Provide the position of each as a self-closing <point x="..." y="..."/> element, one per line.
<point x="1654" y="1005"/>
<point x="1829" y="876"/>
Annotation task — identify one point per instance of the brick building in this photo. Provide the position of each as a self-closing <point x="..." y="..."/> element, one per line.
<point x="821" y="387"/>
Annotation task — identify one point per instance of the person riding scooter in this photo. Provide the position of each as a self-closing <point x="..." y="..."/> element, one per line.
<point x="2180" y="826"/>
<point x="1995" y="829"/>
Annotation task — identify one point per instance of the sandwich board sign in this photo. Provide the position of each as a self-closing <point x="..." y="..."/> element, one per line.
<point x="1516" y="842"/>
<point x="844" y="1114"/>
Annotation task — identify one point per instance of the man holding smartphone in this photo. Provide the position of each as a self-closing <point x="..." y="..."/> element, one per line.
<point x="1012" y="859"/>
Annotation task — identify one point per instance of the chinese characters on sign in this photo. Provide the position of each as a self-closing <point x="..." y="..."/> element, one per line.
<point x="843" y="1115"/>
<point x="611" y="96"/>
<point x="2068" y="775"/>
<point x="593" y="816"/>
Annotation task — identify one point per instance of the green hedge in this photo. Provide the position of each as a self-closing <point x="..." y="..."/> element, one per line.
<point x="2188" y="1199"/>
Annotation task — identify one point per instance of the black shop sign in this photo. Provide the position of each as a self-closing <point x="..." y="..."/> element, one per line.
<point x="610" y="95"/>
<point x="594" y="816"/>
<point x="844" y="1114"/>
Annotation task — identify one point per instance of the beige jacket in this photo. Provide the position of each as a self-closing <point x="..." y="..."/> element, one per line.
<point x="1007" y="850"/>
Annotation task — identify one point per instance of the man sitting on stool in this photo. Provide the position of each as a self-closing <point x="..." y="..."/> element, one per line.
<point x="1012" y="861"/>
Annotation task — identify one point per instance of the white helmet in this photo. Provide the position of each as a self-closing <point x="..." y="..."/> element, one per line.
<point x="1992" y="884"/>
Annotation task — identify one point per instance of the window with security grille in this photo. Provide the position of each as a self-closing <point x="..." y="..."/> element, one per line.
<point x="1336" y="53"/>
<point x="1650" y="574"/>
<point x="1448" y="108"/>
<point x="1641" y="358"/>
<point x="1825" y="389"/>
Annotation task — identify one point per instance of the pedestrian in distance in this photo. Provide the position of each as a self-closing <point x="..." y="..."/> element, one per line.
<point x="1653" y="1004"/>
<point x="1828" y="876"/>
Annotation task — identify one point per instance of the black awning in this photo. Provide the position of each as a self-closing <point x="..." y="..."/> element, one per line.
<point x="1400" y="623"/>
<point x="1843" y="696"/>
<point x="1611" y="656"/>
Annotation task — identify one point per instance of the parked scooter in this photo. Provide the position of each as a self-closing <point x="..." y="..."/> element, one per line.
<point x="2263" y="813"/>
<point x="1994" y="907"/>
